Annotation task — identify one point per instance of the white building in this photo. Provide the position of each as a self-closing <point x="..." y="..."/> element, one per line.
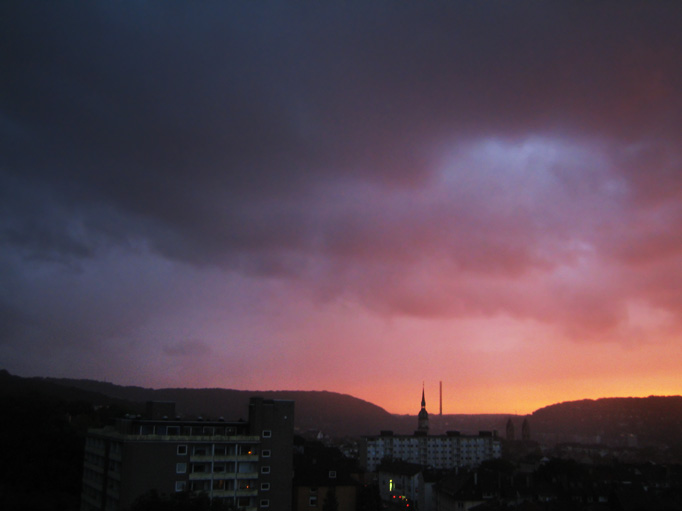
<point x="447" y="451"/>
<point x="440" y="452"/>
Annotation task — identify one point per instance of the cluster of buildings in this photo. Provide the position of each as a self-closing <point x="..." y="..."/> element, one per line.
<point x="249" y="464"/>
<point x="408" y="467"/>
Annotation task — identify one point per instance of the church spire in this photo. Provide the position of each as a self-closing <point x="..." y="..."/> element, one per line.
<point x="423" y="417"/>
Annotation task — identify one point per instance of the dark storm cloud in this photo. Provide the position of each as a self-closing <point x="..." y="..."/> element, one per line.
<point x="281" y="139"/>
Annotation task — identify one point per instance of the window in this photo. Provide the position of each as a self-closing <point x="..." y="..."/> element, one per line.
<point x="182" y="450"/>
<point x="264" y="502"/>
<point x="180" y="468"/>
<point x="312" y="501"/>
<point x="266" y="453"/>
<point x="267" y="433"/>
<point x="265" y="486"/>
<point x="265" y="470"/>
<point x="245" y="450"/>
<point x="332" y="474"/>
<point x="180" y="485"/>
<point x="313" y="490"/>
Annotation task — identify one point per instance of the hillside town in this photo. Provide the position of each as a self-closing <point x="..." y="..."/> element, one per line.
<point x="66" y="448"/>
<point x="160" y="458"/>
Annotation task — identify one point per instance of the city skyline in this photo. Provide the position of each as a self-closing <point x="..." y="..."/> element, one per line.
<point x="352" y="198"/>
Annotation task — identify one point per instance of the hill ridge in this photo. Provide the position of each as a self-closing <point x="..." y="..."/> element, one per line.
<point x="650" y="419"/>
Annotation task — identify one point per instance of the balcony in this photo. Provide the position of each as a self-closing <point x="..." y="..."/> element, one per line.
<point x="204" y="476"/>
<point x="206" y="458"/>
<point x="251" y="492"/>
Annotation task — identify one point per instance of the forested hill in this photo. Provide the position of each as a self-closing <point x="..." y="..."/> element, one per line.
<point x="332" y="413"/>
<point x="654" y="419"/>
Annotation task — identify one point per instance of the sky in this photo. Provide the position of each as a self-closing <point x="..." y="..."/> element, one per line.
<point x="359" y="197"/>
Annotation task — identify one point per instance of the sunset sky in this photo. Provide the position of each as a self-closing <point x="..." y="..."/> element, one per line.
<point x="348" y="196"/>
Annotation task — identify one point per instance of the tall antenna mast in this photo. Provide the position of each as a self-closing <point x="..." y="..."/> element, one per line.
<point x="440" y="385"/>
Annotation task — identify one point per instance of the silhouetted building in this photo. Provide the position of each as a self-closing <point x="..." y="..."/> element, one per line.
<point x="248" y="464"/>
<point x="525" y="430"/>
<point x="510" y="430"/>
<point x="316" y="485"/>
<point x="479" y="489"/>
<point x="322" y="474"/>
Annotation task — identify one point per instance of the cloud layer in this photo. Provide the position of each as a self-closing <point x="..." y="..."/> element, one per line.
<point x="185" y="188"/>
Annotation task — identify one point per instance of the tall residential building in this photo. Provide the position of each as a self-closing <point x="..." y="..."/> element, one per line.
<point x="447" y="451"/>
<point x="248" y="464"/>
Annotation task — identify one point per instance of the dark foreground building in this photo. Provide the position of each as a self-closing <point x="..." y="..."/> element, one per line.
<point x="247" y="464"/>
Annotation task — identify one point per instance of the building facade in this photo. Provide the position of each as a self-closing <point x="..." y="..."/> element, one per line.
<point x="451" y="450"/>
<point x="247" y="464"/>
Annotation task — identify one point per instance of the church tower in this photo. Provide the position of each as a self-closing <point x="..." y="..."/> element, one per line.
<point x="525" y="430"/>
<point x="423" y="417"/>
<point x="510" y="430"/>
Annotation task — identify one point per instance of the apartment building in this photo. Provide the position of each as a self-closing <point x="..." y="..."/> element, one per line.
<point x="246" y="464"/>
<point x="438" y="451"/>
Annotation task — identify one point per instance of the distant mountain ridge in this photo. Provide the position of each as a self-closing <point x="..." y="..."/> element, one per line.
<point x="652" y="420"/>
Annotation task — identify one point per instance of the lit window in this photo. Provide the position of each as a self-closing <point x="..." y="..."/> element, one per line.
<point x="180" y="468"/>
<point x="182" y="450"/>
